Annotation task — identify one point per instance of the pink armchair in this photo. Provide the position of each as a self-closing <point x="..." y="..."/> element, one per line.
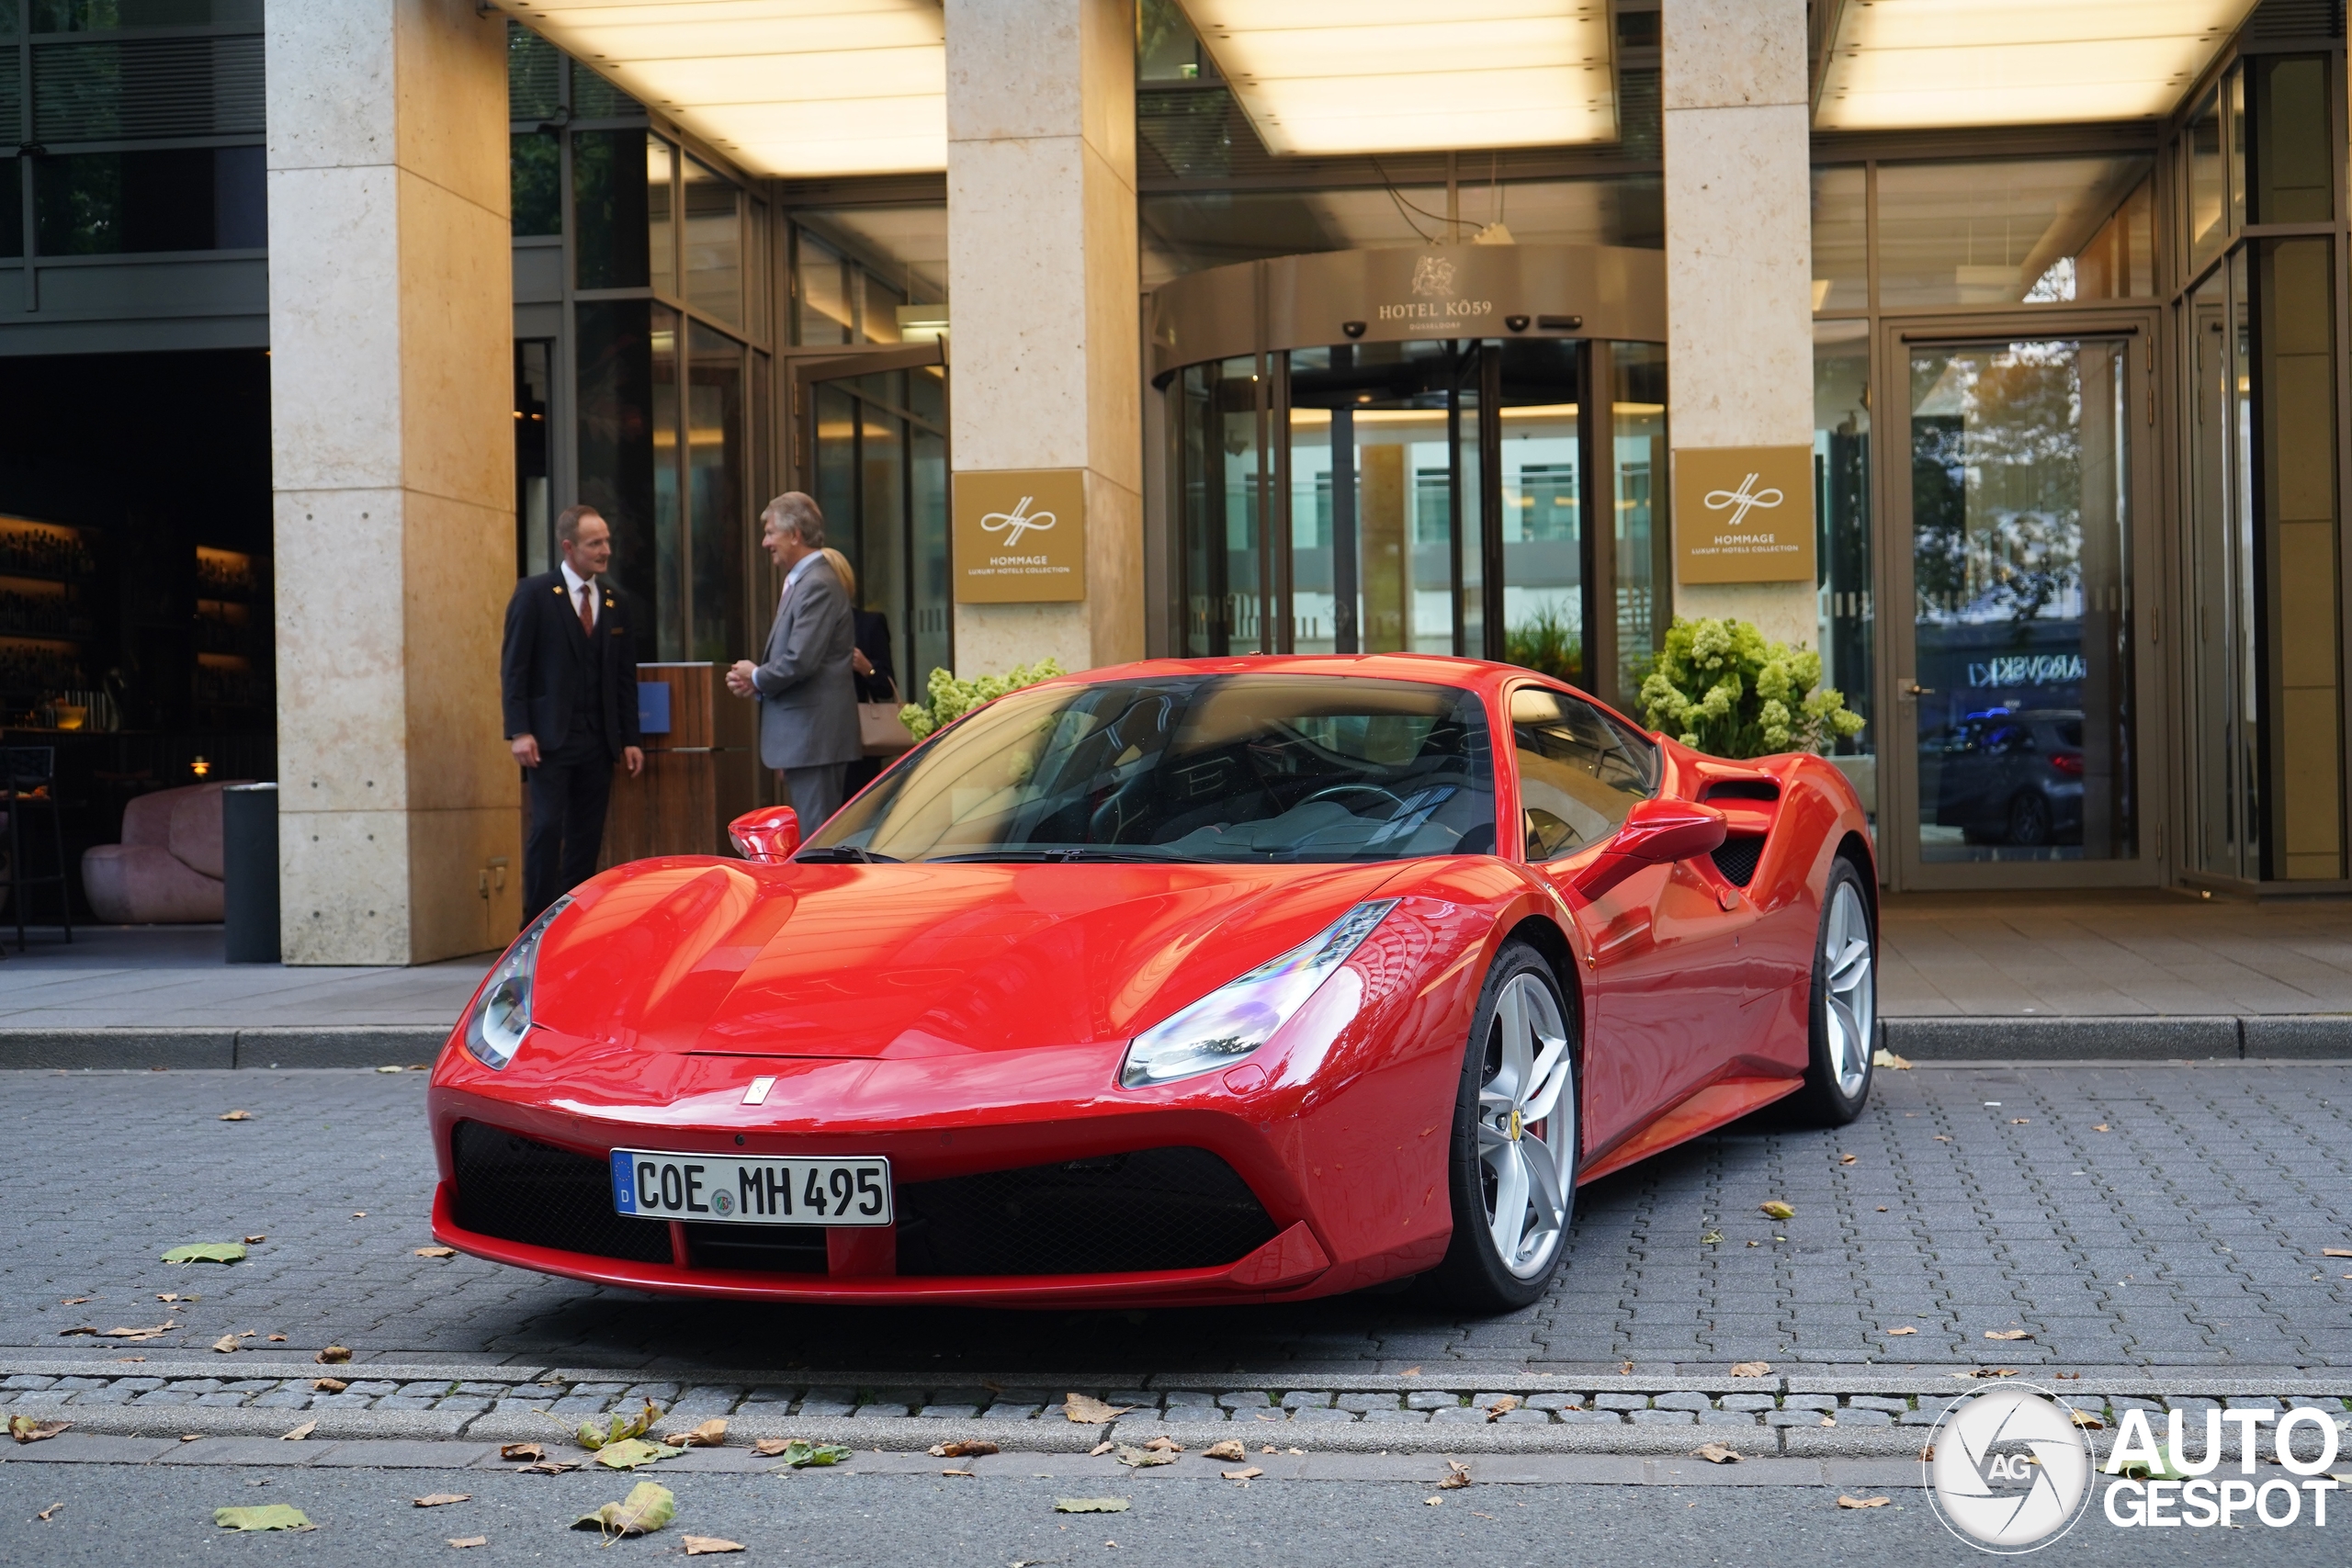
<point x="167" y="869"/>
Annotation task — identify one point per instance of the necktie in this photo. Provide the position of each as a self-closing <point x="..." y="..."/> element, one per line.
<point x="588" y="608"/>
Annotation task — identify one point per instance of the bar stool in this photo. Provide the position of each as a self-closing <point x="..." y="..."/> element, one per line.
<point x="29" y="780"/>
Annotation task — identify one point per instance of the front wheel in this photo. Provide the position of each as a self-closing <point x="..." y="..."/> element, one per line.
<point x="1513" y="1159"/>
<point x="1845" y="1003"/>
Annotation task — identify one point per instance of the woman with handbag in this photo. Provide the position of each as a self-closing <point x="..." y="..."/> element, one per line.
<point x="879" y="731"/>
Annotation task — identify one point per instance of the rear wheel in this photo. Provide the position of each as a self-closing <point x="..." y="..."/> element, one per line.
<point x="2028" y="819"/>
<point x="1845" y="1003"/>
<point x="1513" y="1160"/>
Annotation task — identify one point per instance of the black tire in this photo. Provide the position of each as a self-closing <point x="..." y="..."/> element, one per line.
<point x="2028" y="819"/>
<point x="1475" y="1274"/>
<point x="1832" y="1094"/>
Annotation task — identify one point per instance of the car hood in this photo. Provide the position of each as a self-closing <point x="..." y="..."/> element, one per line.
<point x="898" y="962"/>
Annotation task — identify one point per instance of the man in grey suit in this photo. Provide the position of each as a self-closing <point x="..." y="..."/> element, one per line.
<point x="806" y="696"/>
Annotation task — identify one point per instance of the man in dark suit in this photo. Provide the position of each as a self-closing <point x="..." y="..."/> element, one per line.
<point x="569" y="681"/>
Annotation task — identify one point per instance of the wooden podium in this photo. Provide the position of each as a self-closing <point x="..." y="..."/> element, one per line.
<point x="701" y="767"/>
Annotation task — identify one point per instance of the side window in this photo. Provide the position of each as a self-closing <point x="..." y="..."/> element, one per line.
<point x="1578" y="773"/>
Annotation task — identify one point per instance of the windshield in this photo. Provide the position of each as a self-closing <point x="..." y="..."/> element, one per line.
<point x="1214" y="768"/>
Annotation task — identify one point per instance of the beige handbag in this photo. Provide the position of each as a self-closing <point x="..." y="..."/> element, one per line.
<point x="881" y="731"/>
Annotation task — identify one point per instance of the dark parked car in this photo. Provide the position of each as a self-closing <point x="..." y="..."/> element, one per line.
<point x="2013" y="778"/>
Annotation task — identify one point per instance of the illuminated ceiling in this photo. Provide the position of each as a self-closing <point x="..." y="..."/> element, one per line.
<point x="794" y="88"/>
<point x="1897" y="64"/>
<point x="1325" y="77"/>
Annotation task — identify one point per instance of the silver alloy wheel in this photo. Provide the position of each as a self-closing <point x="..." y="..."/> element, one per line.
<point x="1527" y="1127"/>
<point x="1850" y="987"/>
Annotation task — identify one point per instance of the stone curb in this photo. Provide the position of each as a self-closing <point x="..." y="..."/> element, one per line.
<point x="172" y="1420"/>
<point x="235" y="1367"/>
<point x="2037" y="1039"/>
<point x="191" y="1048"/>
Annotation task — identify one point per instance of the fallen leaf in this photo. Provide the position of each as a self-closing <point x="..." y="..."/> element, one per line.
<point x="358" y="1213"/>
<point x="957" y="1472"/>
<point x="1828" y="1420"/>
<point x="703" y="1545"/>
<point x="1848" y="1159"/>
<point x="800" y="1455"/>
<point x="1165" y="1444"/>
<point x="1716" y="1453"/>
<point x="1900" y="1330"/>
<point x="1502" y="1407"/>
<point x="1299" y="1451"/>
<point x="648" y="1507"/>
<point x="191" y="1436"/>
<point x="434" y="1252"/>
<point x="531" y="1450"/>
<point x="1103" y="1447"/>
<point x="225" y="1343"/>
<point x="2088" y="1422"/>
<point x="1088" y="1412"/>
<point x="256" y="1240"/>
<point x="278" y="1339"/>
<point x="1457" y="1476"/>
<point x="443" y="1499"/>
<point x="176" y="1296"/>
<point x="766" y="1448"/>
<point x="1251" y="1473"/>
<point x="463" y="1541"/>
<point x="2102" y="1127"/>
<point x="1989" y="1373"/>
<point x="1143" y="1458"/>
<point x="1710" y="1238"/>
<point x="1626" y="1370"/>
<point x="2068" y="1377"/>
<point x="630" y="1452"/>
<point x="392" y="1069"/>
<point x="1267" y="1450"/>
<point x="1778" y="1210"/>
<point x="270" y="1516"/>
<point x="2008" y="1334"/>
<point x="1410" y="1372"/>
<point x="70" y="1333"/>
<point x="1882" y="1207"/>
<point x="710" y="1433"/>
<point x="1229" y="1449"/>
<point x="2020" y="1121"/>
<point x="549" y="1467"/>
<point x="237" y="1116"/>
<point x="333" y="1355"/>
<point x="77" y="1301"/>
<point x="1846" y="1501"/>
<point x="1090" y="1504"/>
<point x="137" y="1333"/>
<point x="617" y="1428"/>
<point x="1883" y="1057"/>
<point x="298" y="1433"/>
<point x="970" y="1448"/>
<point x="329" y="1385"/>
<point x="2336" y="1252"/>
<point x="1434" y="1502"/>
<point x="31" y="1430"/>
<point x="1751" y="1369"/>
<point x="1941" y="1138"/>
<point x="208" y="1252"/>
<point x="45" y="1513"/>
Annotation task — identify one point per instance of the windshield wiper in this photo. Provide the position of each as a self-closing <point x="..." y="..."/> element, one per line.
<point x="1063" y="855"/>
<point x="847" y="851"/>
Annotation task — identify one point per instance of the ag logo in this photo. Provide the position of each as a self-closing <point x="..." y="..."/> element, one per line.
<point x="1434" y="277"/>
<point x="2011" y="1471"/>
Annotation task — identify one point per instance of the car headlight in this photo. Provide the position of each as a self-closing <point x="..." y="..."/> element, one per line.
<point x="1237" y="1018"/>
<point x="495" y="1028"/>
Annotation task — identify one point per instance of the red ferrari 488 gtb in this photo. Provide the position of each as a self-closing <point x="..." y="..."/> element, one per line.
<point x="1232" y="980"/>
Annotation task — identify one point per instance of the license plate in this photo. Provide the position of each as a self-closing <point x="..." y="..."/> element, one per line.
<point x="654" y="1185"/>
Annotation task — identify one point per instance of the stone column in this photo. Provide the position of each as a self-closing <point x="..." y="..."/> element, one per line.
<point x="1043" y="282"/>
<point x="1738" y="257"/>
<point x="393" y="451"/>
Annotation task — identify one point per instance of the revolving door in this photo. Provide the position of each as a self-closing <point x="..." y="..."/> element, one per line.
<point x="1487" y="493"/>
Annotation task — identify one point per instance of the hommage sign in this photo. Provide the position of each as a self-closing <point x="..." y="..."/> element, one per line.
<point x="1019" y="536"/>
<point x="1744" y="514"/>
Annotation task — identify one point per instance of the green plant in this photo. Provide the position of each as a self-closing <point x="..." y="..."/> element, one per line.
<point x="1719" y="686"/>
<point x="952" y="698"/>
<point x="1546" y="643"/>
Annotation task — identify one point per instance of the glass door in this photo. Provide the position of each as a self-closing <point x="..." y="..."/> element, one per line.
<point x="2019" y="677"/>
<point x="870" y="443"/>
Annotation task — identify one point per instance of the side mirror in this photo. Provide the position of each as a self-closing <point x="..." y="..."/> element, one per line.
<point x="768" y="835"/>
<point x="1657" y="832"/>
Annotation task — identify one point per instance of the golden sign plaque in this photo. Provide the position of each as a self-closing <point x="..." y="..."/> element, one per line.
<point x="1019" y="536"/>
<point x="1744" y="514"/>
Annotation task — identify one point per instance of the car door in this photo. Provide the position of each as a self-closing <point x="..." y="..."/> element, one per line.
<point x="1666" y="982"/>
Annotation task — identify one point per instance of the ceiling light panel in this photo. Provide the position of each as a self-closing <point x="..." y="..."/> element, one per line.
<point x="792" y="88"/>
<point x="1898" y="64"/>
<point x="1323" y="77"/>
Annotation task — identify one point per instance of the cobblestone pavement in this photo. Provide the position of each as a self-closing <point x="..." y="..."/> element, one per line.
<point x="2136" y="1218"/>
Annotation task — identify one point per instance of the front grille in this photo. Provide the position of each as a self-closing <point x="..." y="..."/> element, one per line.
<point x="518" y="1189"/>
<point x="777" y="1249"/>
<point x="1173" y="1208"/>
<point x="1736" y="857"/>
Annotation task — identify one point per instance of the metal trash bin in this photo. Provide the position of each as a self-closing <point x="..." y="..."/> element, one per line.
<point x="249" y="860"/>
